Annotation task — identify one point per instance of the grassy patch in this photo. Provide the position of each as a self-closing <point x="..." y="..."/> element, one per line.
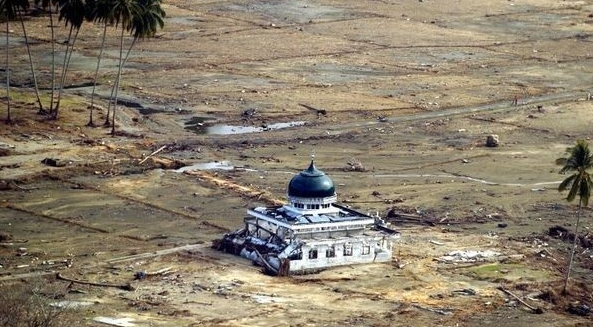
<point x="508" y="272"/>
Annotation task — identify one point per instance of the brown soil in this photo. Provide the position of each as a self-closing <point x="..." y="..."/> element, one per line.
<point x="404" y="92"/>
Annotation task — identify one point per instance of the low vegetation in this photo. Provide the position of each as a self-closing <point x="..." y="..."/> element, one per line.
<point x="33" y="306"/>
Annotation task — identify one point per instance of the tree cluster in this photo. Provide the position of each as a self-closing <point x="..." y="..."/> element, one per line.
<point x="138" y="18"/>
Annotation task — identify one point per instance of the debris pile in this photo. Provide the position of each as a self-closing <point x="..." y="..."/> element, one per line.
<point x="559" y="232"/>
<point x="4" y="236"/>
<point x="579" y="309"/>
<point x="354" y="165"/>
<point x="492" y="141"/>
<point x="468" y="256"/>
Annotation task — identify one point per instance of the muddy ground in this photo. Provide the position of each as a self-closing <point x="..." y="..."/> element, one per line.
<point x="409" y="90"/>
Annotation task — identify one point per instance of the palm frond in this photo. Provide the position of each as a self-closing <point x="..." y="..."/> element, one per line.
<point x="578" y="184"/>
<point x="561" y="161"/>
<point x="585" y="189"/>
<point x="574" y="190"/>
<point x="566" y="183"/>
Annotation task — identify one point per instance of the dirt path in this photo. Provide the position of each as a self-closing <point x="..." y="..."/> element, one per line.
<point x="497" y="107"/>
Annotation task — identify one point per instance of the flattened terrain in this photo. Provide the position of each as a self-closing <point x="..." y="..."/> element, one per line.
<point x="407" y="89"/>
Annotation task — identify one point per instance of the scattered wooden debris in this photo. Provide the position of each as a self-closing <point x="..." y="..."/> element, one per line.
<point x="463" y="256"/>
<point x="139" y="275"/>
<point x="465" y="291"/>
<point x="492" y="141"/>
<point x="354" y="165"/>
<point x="530" y="307"/>
<point x="55" y="162"/>
<point x="444" y="311"/>
<point x="586" y="241"/>
<point x="156" y="253"/>
<point x="319" y="112"/>
<point x="579" y="309"/>
<point x="240" y="189"/>
<point x="396" y="215"/>
<point x="125" y="287"/>
<point x="152" y="154"/>
<point x="166" y="163"/>
<point x="249" y="113"/>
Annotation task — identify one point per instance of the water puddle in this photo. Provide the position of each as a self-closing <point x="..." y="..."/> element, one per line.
<point x="203" y="125"/>
<point x="197" y="124"/>
<point x="230" y="129"/>
<point x="214" y="165"/>
<point x="112" y="321"/>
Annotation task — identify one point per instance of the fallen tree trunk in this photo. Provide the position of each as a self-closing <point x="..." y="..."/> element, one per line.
<point x="125" y="287"/>
<point x="530" y="307"/>
<point x="152" y="154"/>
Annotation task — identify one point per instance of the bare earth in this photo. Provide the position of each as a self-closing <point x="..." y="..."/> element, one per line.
<point x="410" y="90"/>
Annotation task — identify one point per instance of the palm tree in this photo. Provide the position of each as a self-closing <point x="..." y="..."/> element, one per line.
<point x="8" y="8"/>
<point x="99" y="11"/>
<point x="24" y="4"/>
<point x="122" y="12"/>
<point x="579" y="184"/>
<point x="73" y="13"/>
<point x="49" y="6"/>
<point x="147" y="17"/>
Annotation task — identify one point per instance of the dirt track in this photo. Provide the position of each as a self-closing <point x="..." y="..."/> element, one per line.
<point x="409" y="89"/>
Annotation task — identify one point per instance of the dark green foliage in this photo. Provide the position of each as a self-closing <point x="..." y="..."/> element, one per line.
<point x="579" y="184"/>
<point x="579" y="160"/>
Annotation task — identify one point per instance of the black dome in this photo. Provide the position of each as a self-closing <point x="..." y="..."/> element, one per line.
<point x="311" y="183"/>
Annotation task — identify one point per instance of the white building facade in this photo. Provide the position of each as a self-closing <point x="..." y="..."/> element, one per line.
<point x="311" y="232"/>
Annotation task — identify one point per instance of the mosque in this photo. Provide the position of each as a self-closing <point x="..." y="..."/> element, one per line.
<point x="311" y="232"/>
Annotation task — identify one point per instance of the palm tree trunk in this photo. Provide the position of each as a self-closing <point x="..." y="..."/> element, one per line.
<point x="62" y="78"/>
<point x="574" y="245"/>
<point x="53" y="60"/>
<point x="116" y="86"/>
<point x="111" y="96"/>
<point x="129" y="50"/>
<point x="31" y="62"/>
<point x="90" y="123"/>
<point x="107" y="121"/>
<point x="8" y="118"/>
<point x="66" y="65"/>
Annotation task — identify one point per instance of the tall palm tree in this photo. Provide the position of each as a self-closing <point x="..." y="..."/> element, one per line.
<point x="99" y="11"/>
<point x="8" y="9"/>
<point x="579" y="184"/>
<point x="122" y="12"/>
<point x="73" y="14"/>
<point x="24" y="4"/>
<point x="49" y="6"/>
<point x="148" y="16"/>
